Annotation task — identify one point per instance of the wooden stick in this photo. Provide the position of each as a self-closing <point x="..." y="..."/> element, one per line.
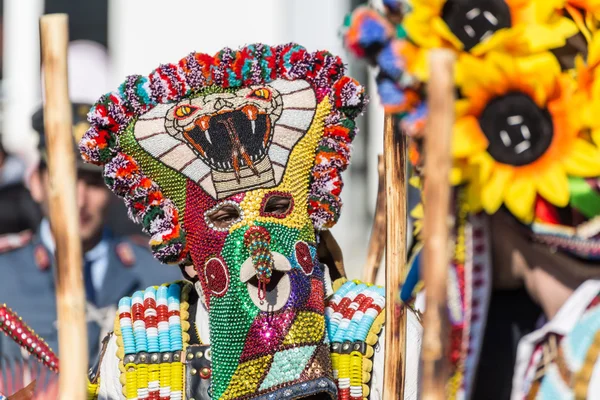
<point x="377" y="240"/>
<point x="395" y="260"/>
<point x="436" y="254"/>
<point x="70" y="294"/>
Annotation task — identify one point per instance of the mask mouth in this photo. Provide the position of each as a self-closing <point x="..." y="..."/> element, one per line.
<point x="230" y="140"/>
<point x="278" y="289"/>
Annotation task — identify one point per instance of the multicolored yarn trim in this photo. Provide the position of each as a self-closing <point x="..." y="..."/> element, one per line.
<point x="354" y="320"/>
<point x="14" y="327"/>
<point x="251" y="65"/>
<point x="374" y="37"/>
<point x="151" y="329"/>
<point x="469" y="287"/>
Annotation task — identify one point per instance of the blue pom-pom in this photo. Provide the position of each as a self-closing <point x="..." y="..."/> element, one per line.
<point x="390" y="92"/>
<point x="373" y="33"/>
<point x="390" y="61"/>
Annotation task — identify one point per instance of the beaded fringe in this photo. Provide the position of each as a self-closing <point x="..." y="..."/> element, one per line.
<point x="151" y="331"/>
<point x="355" y="317"/>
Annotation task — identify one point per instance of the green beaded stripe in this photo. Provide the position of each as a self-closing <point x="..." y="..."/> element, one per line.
<point x="171" y="182"/>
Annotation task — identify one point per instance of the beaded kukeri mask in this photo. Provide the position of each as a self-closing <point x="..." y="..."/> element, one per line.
<point x="235" y="131"/>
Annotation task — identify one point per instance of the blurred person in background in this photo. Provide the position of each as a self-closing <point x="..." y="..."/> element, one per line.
<point x="113" y="265"/>
<point x="19" y="214"/>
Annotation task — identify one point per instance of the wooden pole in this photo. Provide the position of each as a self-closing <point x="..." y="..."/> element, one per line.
<point x="72" y="332"/>
<point x="436" y="254"/>
<point x="377" y="240"/>
<point x="395" y="259"/>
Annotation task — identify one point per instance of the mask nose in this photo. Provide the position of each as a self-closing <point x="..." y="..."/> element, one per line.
<point x="257" y="239"/>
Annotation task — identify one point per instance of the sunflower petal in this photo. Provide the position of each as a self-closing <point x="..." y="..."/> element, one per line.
<point x="504" y="40"/>
<point x="473" y="73"/>
<point x="544" y="37"/>
<point x="583" y="159"/>
<point x="457" y="175"/>
<point x="543" y="9"/>
<point x="596" y="136"/>
<point x="417" y="24"/>
<point x="439" y="26"/>
<point x="520" y="198"/>
<point x="530" y="69"/>
<point x="467" y="137"/>
<point x="483" y="163"/>
<point x="553" y="185"/>
<point x="594" y="51"/>
<point x="492" y="192"/>
<point x="462" y="107"/>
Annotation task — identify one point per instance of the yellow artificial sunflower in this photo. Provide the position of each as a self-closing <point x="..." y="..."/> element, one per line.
<point x="588" y="85"/>
<point x="518" y="27"/>
<point x="518" y="127"/>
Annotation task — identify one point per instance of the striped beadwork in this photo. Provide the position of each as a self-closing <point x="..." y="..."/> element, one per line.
<point x="354" y="319"/>
<point x="150" y="339"/>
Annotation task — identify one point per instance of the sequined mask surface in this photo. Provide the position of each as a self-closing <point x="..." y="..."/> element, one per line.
<point x="234" y="132"/>
<point x="260" y="277"/>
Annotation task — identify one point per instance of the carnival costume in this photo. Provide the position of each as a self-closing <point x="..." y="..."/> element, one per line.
<point x="525" y="141"/>
<point x="236" y="131"/>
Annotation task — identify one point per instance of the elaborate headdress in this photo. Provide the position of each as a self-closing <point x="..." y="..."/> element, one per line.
<point x="524" y="137"/>
<point x="114" y="140"/>
<point x="235" y="130"/>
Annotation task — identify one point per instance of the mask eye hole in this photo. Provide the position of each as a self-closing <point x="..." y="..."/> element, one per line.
<point x="277" y="205"/>
<point x="224" y="215"/>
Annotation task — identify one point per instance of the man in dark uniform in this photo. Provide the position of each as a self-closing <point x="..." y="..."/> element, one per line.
<point x="113" y="266"/>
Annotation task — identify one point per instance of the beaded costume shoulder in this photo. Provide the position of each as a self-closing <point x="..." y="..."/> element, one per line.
<point x="354" y="318"/>
<point x="151" y="329"/>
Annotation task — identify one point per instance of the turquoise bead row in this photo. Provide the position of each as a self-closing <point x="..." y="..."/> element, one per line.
<point x="126" y="325"/>
<point x="365" y="310"/>
<point x="175" y="333"/>
<point x="138" y="315"/>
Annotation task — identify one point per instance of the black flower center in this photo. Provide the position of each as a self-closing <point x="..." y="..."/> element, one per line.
<point x="473" y="21"/>
<point x="518" y="131"/>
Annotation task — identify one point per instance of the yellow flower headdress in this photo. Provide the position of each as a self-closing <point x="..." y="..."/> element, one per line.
<point x="527" y="135"/>
<point x="516" y="27"/>
<point x="519" y="125"/>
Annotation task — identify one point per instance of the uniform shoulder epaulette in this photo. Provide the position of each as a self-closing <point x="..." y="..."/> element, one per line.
<point x="355" y="317"/>
<point x="125" y="253"/>
<point x="13" y="241"/>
